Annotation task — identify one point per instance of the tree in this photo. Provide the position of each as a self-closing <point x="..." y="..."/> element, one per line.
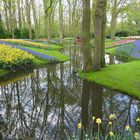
<point x="99" y="31"/>
<point x="28" y="17"/>
<point x="60" y="21"/>
<point x="87" y="61"/>
<point x="117" y="7"/>
<point x="35" y="19"/>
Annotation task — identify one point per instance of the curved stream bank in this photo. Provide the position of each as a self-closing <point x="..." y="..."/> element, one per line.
<point x="50" y="101"/>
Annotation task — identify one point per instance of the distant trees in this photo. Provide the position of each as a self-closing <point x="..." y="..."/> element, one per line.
<point x="117" y="6"/>
<point x="44" y="18"/>
<point x="53" y="18"/>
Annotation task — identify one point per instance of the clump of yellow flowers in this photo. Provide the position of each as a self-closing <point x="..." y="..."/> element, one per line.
<point x="112" y="117"/>
<point x="24" y="42"/>
<point x="111" y="134"/>
<point x="13" y="57"/>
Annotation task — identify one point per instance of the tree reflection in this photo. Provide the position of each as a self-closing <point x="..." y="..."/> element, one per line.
<point x="49" y="103"/>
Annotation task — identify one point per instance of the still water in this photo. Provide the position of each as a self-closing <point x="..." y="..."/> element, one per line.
<point x="47" y="103"/>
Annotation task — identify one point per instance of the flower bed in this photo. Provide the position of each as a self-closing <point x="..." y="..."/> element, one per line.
<point x="13" y="58"/>
<point x="121" y="42"/>
<point x="24" y="42"/>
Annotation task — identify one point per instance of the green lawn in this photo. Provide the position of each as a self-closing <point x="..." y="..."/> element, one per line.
<point x="123" y="77"/>
<point x="60" y="57"/>
<point x="56" y="47"/>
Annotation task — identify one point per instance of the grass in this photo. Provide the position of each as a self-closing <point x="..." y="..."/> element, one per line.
<point x="56" y="47"/>
<point x="109" y="42"/>
<point x="60" y="57"/>
<point x="123" y="48"/>
<point x="123" y="77"/>
<point x="3" y="72"/>
<point x="111" y="50"/>
<point x="53" y="46"/>
<point x="39" y="62"/>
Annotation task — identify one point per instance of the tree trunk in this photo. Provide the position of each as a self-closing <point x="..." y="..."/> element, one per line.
<point x="113" y="25"/>
<point x="28" y="16"/>
<point x="113" y="19"/>
<point x="99" y="31"/>
<point x="19" y="14"/>
<point x="11" y="18"/>
<point x="87" y="61"/>
<point x="47" y="19"/>
<point x="6" y="15"/>
<point x="98" y="36"/>
<point x="103" y="35"/>
<point x="35" y="19"/>
<point x="60" y="21"/>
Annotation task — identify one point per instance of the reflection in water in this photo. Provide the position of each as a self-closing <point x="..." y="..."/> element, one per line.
<point x="48" y="104"/>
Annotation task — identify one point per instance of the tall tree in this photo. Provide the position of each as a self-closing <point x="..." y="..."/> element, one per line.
<point x="28" y="17"/>
<point x="60" y="21"/>
<point x="99" y="27"/>
<point x="19" y="14"/>
<point x="87" y="60"/>
<point x="117" y="7"/>
<point x="35" y="19"/>
<point x="47" y="10"/>
<point x="104" y="20"/>
<point x="6" y="15"/>
<point x="11" y="18"/>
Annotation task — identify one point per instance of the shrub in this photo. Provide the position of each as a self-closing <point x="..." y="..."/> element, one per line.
<point x="122" y="34"/>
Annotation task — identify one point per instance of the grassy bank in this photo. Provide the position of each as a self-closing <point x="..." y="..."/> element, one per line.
<point x="3" y="72"/>
<point x="60" y="57"/>
<point x="123" y="77"/>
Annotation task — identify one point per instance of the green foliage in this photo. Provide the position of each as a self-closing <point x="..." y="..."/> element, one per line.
<point x="3" y="72"/>
<point x="56" y="54"/>
<point x="24" y="33"/>
<point x="122" y="34"/>
<point x="3" y="32"/>
<point x="123" y="77"/>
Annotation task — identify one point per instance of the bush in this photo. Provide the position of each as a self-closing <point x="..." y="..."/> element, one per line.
<point x="122" y="34"/>
<point x="17" y="33"/>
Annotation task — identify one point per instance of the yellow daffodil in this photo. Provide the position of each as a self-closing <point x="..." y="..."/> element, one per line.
<point x="110" y="123"/>
<point x="127" y="128"/>
<point x="111" y="134"/>
<point x="98" y="121"/>
<point x="93" y="118"/>
<point x="112" y="117"/>
<point x="24" y="42"/>
<point x="13" y="56"/>
<point x="138" y="120"/>
<point x="136" y="135"/>
<point x="79" y="125"/>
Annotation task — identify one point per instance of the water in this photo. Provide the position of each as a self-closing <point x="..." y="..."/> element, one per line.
<point x="47" y="103"/>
